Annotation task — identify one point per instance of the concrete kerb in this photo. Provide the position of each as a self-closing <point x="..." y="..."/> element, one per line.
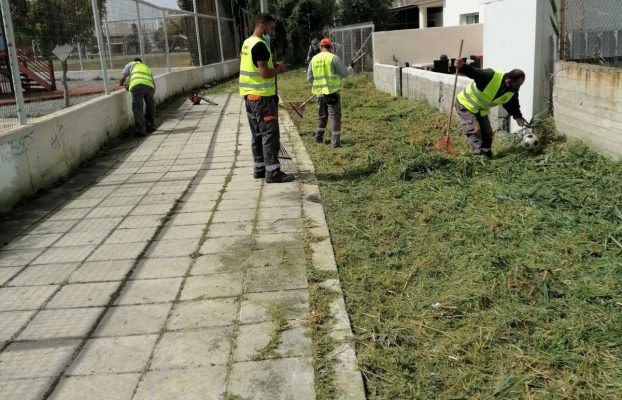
<point x="348" y="379"/>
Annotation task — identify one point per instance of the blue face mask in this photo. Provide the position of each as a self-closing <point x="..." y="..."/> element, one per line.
<point x="266" y="38"/>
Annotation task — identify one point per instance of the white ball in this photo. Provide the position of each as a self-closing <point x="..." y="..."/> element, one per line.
<point x="530" y="141"/>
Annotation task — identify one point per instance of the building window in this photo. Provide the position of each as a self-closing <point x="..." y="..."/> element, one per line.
<point x="468" y="19"/>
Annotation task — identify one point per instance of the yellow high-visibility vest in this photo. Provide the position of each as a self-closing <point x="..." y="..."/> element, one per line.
<point x="324" y="80"/>
<point x="140" y="75"/>
<point x="251" y="81"/>
<point x="476" y="101"/>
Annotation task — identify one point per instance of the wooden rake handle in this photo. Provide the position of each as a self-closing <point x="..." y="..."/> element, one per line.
<point x="453" y="97"/>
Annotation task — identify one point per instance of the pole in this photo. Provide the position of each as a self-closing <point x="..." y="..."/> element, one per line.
<point x="264" y="6"/>
<point x="107" y="30"/>
<point x="80" y="57"/>
<point x="222" y="51"/>
<point x="196" y="27"/>
<point x="166" y="49"/>
<point x="235" y="31"/>
<point x="140" y="33"/>
<point x="13" y="61"/>
<point x="100" y="45"/>
<point x="453" y="97"/>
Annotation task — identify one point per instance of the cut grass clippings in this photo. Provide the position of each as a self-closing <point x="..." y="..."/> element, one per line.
<point x="467" y="278"/>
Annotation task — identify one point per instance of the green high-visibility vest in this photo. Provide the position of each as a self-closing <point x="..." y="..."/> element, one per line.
<point x="324" y="80"/>
<point x="141" y="75"/>
<point x="476" y="101"/>
<point x="251" y="81"/>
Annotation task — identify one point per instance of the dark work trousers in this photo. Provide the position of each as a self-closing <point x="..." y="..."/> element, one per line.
<point x="263" y="119"/>
<point x="329" y="108"/>
<point x="477" y="130"/>
<point x="143" y="106"/>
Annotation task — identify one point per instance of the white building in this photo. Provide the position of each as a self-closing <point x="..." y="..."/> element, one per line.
<point x="411" y="14"/>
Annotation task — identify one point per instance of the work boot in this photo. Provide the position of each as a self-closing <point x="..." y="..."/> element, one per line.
<point x="259" y="174"/>
<point x="335" y="141"/>
<point x="279" y="176"/>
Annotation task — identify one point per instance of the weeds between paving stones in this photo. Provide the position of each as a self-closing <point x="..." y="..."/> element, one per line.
<point x="279" y="325"/>
<point x="469" y="278"/>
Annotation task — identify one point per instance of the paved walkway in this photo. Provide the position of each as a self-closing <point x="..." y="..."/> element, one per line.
<point x="160" y="273"/>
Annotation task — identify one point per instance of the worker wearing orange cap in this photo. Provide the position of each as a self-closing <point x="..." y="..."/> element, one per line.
<point x="326" y="70"/>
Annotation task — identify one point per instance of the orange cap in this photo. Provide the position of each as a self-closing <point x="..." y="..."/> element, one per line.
<point x="325" y="43"/>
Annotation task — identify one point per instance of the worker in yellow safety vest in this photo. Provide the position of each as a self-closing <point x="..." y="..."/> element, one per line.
<point x="142" y="86"/>
<point x="325" y="72"/>
<point x="489" y="89"/>
<point x="258" y="87"/>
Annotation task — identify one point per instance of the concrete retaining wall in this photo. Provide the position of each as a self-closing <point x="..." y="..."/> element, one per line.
<point x="587" y="102"/>
<point x="35" y="156"/>
<point x="387" y="78"/>
<point x="432" y="87"/>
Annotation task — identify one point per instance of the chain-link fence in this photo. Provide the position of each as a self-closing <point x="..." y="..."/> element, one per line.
<point x="58" y="53"/>
<point x="591" y="31"/>
<point x="354" y="43"/>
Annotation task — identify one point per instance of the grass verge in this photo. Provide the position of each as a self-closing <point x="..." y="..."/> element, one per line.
<point x="467" y="278"/>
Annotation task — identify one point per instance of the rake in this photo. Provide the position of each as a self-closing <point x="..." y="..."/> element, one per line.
<point x="299" y="108"/>
<point x="445" y="143"/>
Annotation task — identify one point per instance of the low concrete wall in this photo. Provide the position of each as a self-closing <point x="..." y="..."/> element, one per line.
<point x="35" y="156"/>
<point x="387" y="78"/>
<point x="113" y="74"/>
<point x="432" y="87"/>
<point x="587" y="101"/>
<point x="419" y="46"/>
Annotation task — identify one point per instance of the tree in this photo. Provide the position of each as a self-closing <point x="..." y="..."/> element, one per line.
<point x="54" y="23"/>
<point x="357" y="11"/>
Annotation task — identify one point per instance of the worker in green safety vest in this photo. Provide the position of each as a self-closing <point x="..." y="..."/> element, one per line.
<point x="258" y="87"/>
<point x="142" y="86"/>
<point x="489" y="89"/>
<point x="325" y="73"/>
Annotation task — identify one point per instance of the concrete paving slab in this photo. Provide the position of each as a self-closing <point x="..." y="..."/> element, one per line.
<point x="99" y="271"/>
<point x="165" y="267"/>
<point x="7" y="273"/>
<point x="121" y="201"/>
<point x="47" y="274"/>
<point x="192" y="349"/>
<point x="81" y="239"/>
<point x="279" y="255"/>
<point x="255" y="306"/>
<point x="233" y="244"/>
<point x="48" y="227"/>
<point x="141" y="221"/>
<point x="57" y="255"/>
<point x="96" y="387"/>
<point x="272" y="279"/>
<point x="294" y="341"/>
<point x="97" y="224"/>
<point x="106" y="212"/>
<point x="206" y="383"/>
<point x="11" y="322"/>
<point x="149" y="291"/>
<point x="212" y="286"/>
<point x="61" y="324"/>
<point x="233" y="228"/>
<point x="24" y="389"/>
<point x="219" y="263"/>
<point x="203" y="314"/>
<point x="83" y="294"/>
<point x="134" y="235"/>
<point x="17" y="258"/>
<point x="172" y="248"/>
<point x="191" y="218"/>
<point x="36" y="359"/>
<point x="113" y="355"/>
<point x="234" y="216"/>
<point x="280" y="379"/>
<point x="29" y="242"/>
<point x="25" y="298"/>
<point x="133" y="320"/>
<point x="182" y="232"/>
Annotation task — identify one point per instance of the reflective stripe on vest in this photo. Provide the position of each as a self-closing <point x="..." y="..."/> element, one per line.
<point x="140" y="75"/>
<point x="251" y="81"/>
<point x="324" y="81"/>
<point x="480" y="102"/>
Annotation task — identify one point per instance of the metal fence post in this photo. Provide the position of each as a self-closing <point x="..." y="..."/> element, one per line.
<point x="100" y="45"/>
<point x="222" y="51"/>
<point x="106" y="29"/>
<point x="80" y="56"/>
<point x="166" y="49"/>
<point x="13" y="61"/>
<point x="196" y="27"/>
<point x="235" y="31"/>
<point x="140" y="32"/>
